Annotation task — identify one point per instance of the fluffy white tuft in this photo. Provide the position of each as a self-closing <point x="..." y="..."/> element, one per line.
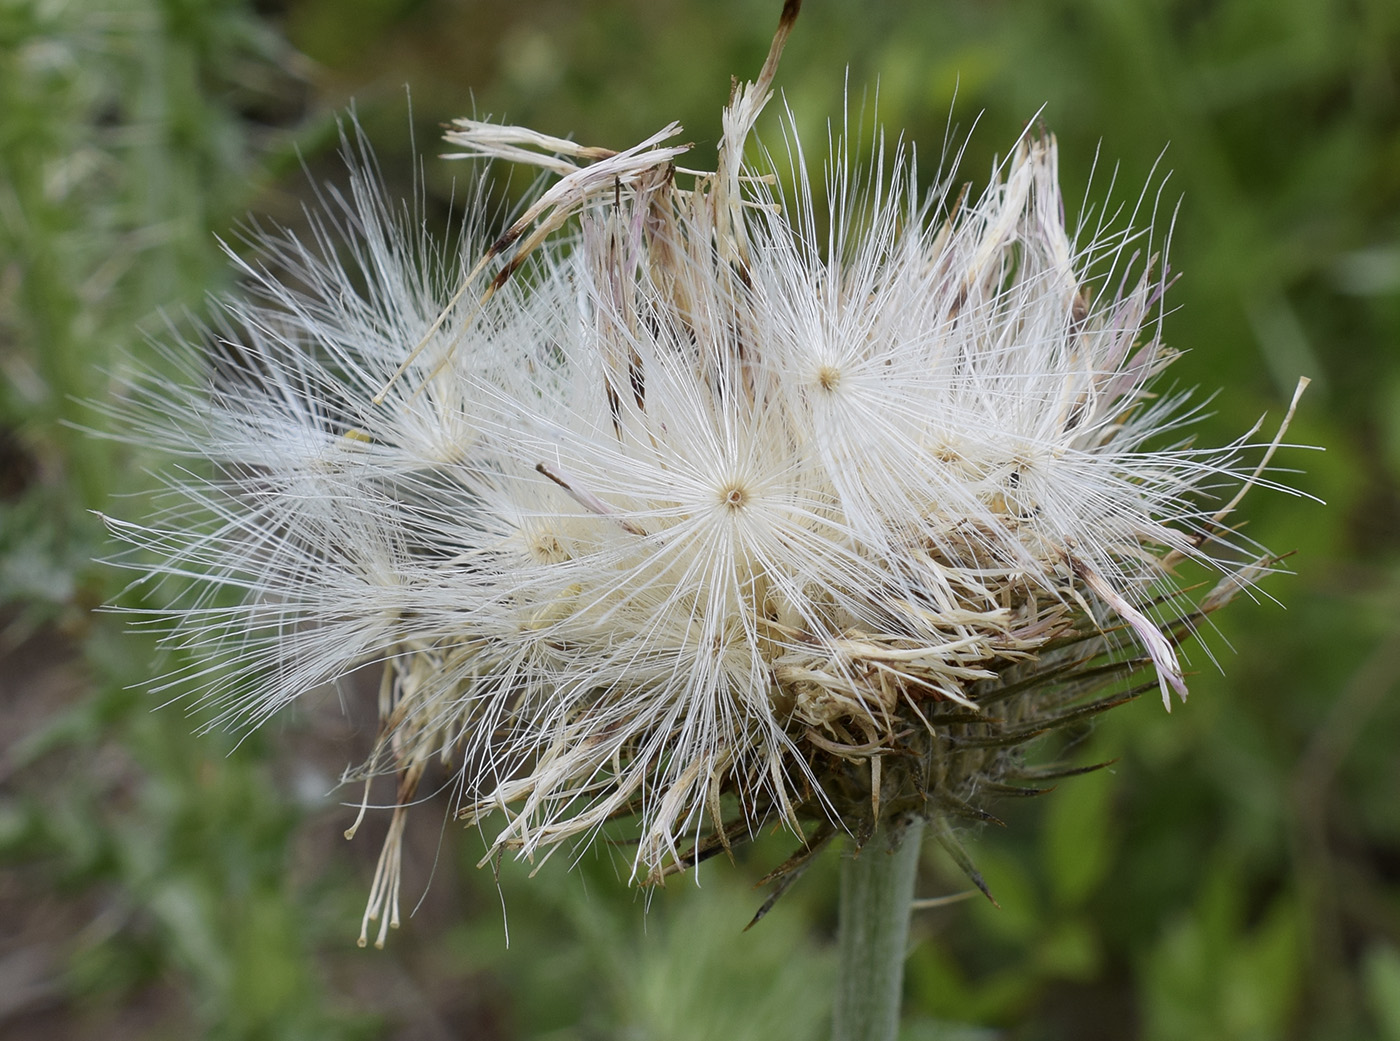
<point x="652" y="514"/>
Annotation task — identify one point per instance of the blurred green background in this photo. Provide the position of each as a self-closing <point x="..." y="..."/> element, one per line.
<point x="1236" y="875"/>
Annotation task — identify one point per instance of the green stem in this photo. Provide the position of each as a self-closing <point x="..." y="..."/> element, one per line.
<point x="877" y="886"/>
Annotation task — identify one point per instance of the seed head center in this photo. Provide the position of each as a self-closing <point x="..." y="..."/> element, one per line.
<point x="828" y="377"/>
<point x="734" y="496"/>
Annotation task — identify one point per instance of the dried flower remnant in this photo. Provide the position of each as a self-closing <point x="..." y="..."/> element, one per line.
<point x="715" y="512"/>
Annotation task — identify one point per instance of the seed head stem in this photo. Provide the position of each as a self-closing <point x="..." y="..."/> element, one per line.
<point x="877" y="889"/>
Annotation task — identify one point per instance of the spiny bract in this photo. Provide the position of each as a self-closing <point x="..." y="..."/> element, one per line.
<point x="726" y="507"/>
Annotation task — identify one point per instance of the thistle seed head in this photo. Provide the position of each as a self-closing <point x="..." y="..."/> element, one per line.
<point x="690" y="499"/>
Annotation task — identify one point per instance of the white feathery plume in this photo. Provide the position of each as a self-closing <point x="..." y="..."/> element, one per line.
<point x="700" y="515"/>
